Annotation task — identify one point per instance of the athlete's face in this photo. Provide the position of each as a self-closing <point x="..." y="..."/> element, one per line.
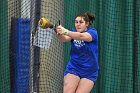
<point x="80" y="24"/>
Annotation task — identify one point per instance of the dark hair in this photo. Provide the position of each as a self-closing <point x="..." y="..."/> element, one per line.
<point x="88" y="17"/>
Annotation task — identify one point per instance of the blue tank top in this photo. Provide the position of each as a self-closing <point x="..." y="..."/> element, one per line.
<point x="84" y="55"/>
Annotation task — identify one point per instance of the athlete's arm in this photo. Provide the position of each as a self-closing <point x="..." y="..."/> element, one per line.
<point x="64" y="38"/>
<point x="80" y="36"/>
<point x="66" y="35"/>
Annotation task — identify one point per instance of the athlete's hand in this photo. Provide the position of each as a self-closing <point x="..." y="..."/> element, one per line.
<point x="61" y="30"/>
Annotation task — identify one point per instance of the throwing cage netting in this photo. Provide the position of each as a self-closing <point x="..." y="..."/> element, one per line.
<point x="32" y="59"/>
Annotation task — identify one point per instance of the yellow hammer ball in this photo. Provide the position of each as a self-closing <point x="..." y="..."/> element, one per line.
<point x="43" y="23"/>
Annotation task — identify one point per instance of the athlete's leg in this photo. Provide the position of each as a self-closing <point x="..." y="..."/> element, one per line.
<point x="85" y="86"/>
<point x="71" y="82"/>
